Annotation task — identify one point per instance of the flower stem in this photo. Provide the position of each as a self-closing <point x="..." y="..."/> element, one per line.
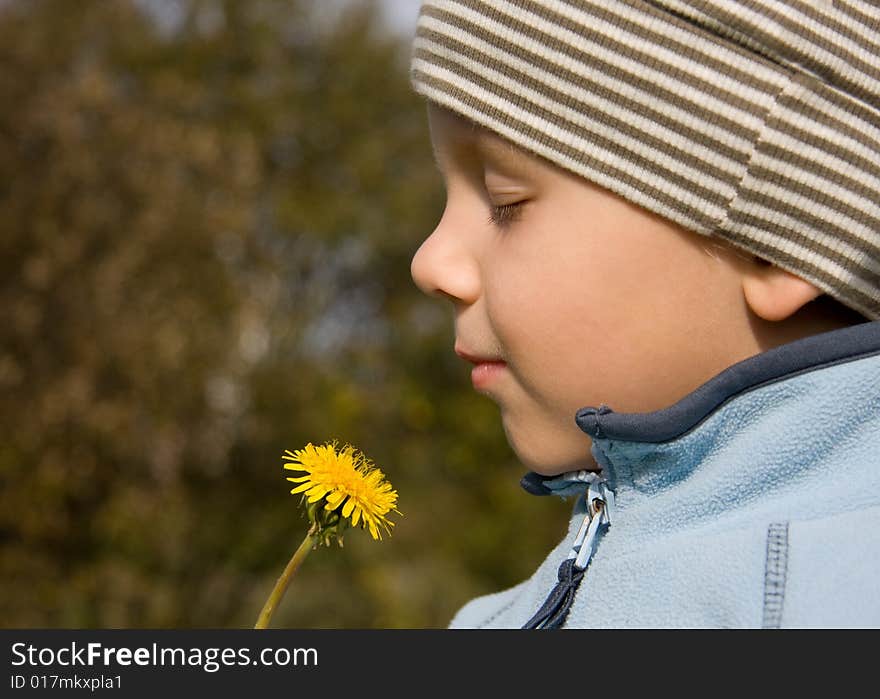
<point x="281" y="586"/>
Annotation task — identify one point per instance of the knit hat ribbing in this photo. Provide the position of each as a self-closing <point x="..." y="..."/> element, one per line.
<point x="756" y="121"/>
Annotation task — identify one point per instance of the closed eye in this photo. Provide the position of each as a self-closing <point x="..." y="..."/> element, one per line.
<point x="505" y="214"/>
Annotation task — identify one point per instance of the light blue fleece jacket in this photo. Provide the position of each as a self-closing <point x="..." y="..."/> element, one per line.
<point x="752" y="502"/>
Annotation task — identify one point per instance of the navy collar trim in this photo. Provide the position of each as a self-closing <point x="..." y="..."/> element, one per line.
<point x="777" y="364"/>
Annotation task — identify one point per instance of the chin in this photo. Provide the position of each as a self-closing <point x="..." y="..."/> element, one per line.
<point x="548" y="470"/>
<point x="566" y="452"/>
<point x="544" y="463"/>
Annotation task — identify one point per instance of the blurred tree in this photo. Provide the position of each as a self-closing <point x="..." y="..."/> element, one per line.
<point x="207" y="212"/>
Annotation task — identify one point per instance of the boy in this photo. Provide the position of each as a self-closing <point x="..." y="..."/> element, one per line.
<point x="662" y="244"/>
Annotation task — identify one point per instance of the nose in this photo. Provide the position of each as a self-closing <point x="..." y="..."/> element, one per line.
<point x="445" y="265"/>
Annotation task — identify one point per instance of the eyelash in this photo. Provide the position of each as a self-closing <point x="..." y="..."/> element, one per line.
<point x="505" y="214"/>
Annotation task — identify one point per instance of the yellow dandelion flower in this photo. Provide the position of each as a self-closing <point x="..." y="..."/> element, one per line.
<point x="342" y="488"/>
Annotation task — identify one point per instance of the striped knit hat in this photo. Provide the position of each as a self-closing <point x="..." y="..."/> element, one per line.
<point x="756" y="121"/>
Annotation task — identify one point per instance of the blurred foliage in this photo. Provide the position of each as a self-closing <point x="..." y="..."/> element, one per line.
<point x="207" y="213"/>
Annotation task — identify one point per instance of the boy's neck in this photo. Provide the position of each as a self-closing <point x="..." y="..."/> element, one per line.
<point x="822" y="315"/>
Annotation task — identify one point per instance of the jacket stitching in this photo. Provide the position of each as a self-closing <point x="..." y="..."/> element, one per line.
<point x="497" y="614"/>
<point x="775" y="570"/>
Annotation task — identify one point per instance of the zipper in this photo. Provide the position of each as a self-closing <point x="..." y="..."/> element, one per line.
<point x="599" y="502"/>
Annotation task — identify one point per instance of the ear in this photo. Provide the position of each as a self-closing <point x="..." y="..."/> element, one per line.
<point x="774" y="293"/>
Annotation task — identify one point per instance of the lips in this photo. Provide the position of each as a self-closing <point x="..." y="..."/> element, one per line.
<point x="475" y="358"/>
<point x="486" y="368"/>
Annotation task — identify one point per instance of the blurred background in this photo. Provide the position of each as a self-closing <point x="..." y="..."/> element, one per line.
<point x="207" y="214"/>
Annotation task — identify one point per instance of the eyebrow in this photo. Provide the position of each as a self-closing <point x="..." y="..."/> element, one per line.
<point x="492" y="148"/>
<point x="507" y="155"/>
<point x="497" y="148"/>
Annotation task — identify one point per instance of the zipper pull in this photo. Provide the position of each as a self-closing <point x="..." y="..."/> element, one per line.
<point x="599" y="501"/>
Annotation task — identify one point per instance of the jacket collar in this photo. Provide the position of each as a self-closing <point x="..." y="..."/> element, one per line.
<point x="636" y="442"/>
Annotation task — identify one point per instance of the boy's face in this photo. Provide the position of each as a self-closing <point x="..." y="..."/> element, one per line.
<point x="587" y="299"/>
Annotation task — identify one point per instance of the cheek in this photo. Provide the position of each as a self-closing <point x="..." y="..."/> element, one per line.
<point x="542" y="309"/>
